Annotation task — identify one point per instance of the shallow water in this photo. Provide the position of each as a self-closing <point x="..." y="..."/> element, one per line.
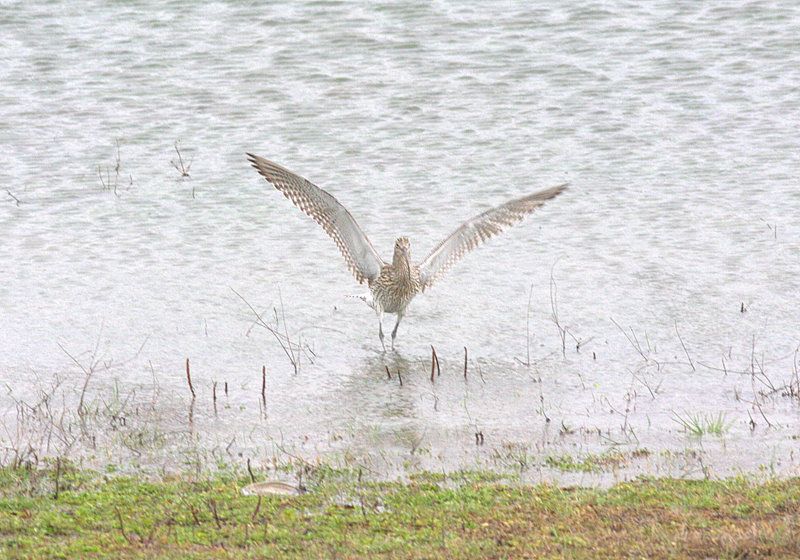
<point x="675" y="123"/>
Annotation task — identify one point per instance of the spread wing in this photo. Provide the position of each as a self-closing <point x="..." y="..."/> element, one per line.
<point x="362" y="258"/>
<point x="475" y="231"/>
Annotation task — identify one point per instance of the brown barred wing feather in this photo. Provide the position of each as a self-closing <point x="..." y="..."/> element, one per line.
<point x="361" y="257"/>
<point x="479" y="229"/>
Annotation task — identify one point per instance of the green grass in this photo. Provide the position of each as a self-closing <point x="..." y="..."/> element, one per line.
<point x="591" y="462"/>
<point x="465" y="515"/>
<point x="700" y="425"/>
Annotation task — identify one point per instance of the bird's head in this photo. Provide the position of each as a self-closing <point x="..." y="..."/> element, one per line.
<point x="402" y="247"/>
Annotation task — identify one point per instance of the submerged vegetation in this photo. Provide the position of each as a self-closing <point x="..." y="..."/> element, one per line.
<point x="700" y="425"/>
<point x="67" y="513"/>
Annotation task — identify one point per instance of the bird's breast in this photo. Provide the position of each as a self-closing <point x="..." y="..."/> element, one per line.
<point x="393" y="290"/>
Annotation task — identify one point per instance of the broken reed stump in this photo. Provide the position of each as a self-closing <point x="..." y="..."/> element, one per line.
<point x="465" y="363"/>
<point x="399" y="375"/>
<point x="264" y="384"/>
<point x="250" y="472"/>
<point x="58" y="478"/>
<point x="434" y="363"/>
<point x="214" y="396"/>
<point x="189" y="379"/>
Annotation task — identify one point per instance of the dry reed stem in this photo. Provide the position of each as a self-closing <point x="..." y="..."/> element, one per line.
<point x="434" y="363"/>
<point x="182" y="168"/>
<point x="12" y="196"/>
<point x="288" y="347"/>
<point x="189" y="379"/>
<point x="264" y="384"/>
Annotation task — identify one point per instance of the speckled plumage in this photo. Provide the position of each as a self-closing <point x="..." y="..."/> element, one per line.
<point x="398" y="283"/>
<point x="394" y="285"/>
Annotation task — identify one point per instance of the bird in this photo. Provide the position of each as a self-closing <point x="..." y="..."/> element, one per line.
<point x="393" y="285"/>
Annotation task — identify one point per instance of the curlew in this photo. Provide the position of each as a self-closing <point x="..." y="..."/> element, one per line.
<point x="393" y="285"/>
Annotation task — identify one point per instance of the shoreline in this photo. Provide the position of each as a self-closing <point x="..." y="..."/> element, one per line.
<point x="66" y="512"/>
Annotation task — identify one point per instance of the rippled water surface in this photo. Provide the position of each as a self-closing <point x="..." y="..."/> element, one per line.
<point x="672" y="264"/>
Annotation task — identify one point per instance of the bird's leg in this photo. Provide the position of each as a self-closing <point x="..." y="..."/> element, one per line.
<point x="394" y="331"/>
<point x="380" y="329"/>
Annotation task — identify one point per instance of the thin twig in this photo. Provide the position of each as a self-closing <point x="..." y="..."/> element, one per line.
<point x="286" y="331"/>
<point x="189" y="379"/>
<point x="214" y="396"/>
<point x="182" y="169"/>
<point x="278" y="336"/>
<point x="256" y="510"/>
<point x="87" y="372"/>
<point x="434" y="363"/>
<point x="212" y="505"/>
<point x="250" y="471"/>
<point x="58" y="478"/>
<point x="527" y="329"/>
<point x="264" y="384"/>
<point x="562" y="331"/>
<point x="12" y="196"/>
<point x="634" y="341"/>
<point x="691" y="363"/>
<point x="107" y="183"/>
<point x="122" y="526"/>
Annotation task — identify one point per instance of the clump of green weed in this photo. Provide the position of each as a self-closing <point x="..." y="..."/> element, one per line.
<point x="703" y="424"/>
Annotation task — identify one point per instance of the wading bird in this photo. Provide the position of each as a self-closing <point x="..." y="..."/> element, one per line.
<point x="393" y="285"/>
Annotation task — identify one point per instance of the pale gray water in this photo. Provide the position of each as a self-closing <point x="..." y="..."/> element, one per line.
<point x="675" y="122"/>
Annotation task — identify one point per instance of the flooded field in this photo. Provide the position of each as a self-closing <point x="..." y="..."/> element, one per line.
<point x="645" y="322"/>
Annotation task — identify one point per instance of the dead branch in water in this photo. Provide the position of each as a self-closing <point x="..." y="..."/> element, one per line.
<point x="634" y="341"/>
<point x="691" y="363"/>
<point x="528" y="328"/>
<point x="189" y="379"/>
<point x="107" y="183"/>
<point x="295" y="358"/>
<point x="291" y="349"/>
<point x="88" y="372"/>
<point x="792" y="389"/>
<point x="14" y="197"/>
<point x="434" y="363"/>
<point x="182" y="168"/>
<point x="263" y="385"/>
<point x="562" y="331"/>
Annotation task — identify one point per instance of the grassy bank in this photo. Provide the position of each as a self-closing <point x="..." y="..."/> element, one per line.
<point x="86" y="515"/>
